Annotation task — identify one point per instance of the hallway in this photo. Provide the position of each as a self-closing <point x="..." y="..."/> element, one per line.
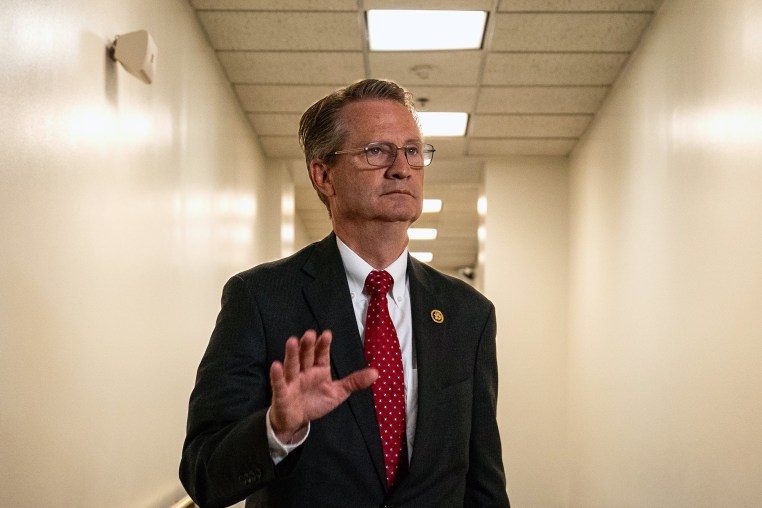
<point x="626" y="274"/>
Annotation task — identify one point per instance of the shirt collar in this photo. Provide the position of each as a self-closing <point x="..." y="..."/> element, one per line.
<point x="357" y="270"/>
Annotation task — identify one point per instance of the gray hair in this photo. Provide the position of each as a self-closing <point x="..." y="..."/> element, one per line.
<point x="321" y="131"/>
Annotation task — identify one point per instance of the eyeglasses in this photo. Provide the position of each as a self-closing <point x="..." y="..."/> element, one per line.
<point x="383" y="154"/>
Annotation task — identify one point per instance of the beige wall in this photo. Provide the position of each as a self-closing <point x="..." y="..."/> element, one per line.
<point x="525" y="274"/>
<point x="123" y="208"/>
<point x="643" y="388"/>
<point x="665" y="345"/>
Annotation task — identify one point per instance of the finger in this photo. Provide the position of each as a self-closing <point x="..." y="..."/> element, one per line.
<point x="358" y="380"/>
<point x="307" y="350"/>
<point x="277" y="380"/>
<point x="323" y="349"/>
<point x="291" y="359"/>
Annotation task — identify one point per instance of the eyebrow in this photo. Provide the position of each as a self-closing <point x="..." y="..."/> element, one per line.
<point x="412" y="140"/>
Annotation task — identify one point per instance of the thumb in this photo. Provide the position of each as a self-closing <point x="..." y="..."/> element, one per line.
<point x="359" y="380"/>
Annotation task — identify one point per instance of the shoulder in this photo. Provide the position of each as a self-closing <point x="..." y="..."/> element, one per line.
<point x="271" y="283"/>
<point x="280" y="267"/>
<point x="310" y="261"/>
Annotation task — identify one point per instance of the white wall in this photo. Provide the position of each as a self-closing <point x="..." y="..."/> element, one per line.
<point x="525" y="274"/>
<point x="123" y="208"/>
<point x="665" y="352"/>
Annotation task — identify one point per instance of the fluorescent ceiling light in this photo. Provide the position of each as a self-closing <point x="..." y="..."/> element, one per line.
<point x="432" y="205"/>
<point x="422" y="233"/>
<point x="412" y="30"/>
<point x="426" y="257"/>
<point x="442" y="124"/>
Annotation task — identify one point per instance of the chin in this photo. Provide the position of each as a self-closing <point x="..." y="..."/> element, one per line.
<point x="401" y="211"/>
<point x="404" y="217"/>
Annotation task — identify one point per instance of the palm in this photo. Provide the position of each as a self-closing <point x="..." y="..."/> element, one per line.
<point x="303" y="389"/>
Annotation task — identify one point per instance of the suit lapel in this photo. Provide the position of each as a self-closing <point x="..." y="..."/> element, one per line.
<point x="428" y="337"/>
<point x="328" y="297"/>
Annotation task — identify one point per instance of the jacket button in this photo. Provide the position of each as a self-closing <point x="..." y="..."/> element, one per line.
<point x="251" y="476"/>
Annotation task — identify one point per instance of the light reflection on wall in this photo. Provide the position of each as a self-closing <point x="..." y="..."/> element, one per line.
<point x="208" y="225"/>
<point x="481" y="234"/>
<point x="100" y="126"/>
<point x="40" y="34"/>
<point x="752" y="40"/>
<point x="729" y="128"/>
<point x="287" y="229"/>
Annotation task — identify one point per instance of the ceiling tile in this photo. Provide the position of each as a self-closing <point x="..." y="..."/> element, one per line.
<point x="427" y="68"/>
<point x="550" y="68"/>
<point x="568" y="32"/>
<point x="549" y="99"/>
<point x="447" y="147"/>
<point x="280" y="99"/>
<point x="250" y="30"/>
<point x="460" y="193"/>
<point x="553" y="68"/>
<point x="275" y="124"/>
<point x="530" y="126"/>
<point x="292" y="67"/>
<point x="520" y="146"/>
<point x="281" y="147"/>
<point x="453" y="172"/>
<point x="578" y="5"/>
<point x="444" y="98"/>
<point x="450" y="253"/>
<point x="275" y="5"/>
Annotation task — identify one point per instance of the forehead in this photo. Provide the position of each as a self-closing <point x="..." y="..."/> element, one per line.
<point x="379" y="120"/>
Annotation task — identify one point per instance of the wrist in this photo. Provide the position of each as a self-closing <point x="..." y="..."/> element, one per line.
<point x="292" y="437"/>
<point x="286" y="434"/>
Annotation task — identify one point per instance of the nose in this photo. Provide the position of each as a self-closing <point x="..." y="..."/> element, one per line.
<point x="400" y="169"/>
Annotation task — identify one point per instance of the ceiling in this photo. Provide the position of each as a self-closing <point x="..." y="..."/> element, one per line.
<point x="543" y="71"/>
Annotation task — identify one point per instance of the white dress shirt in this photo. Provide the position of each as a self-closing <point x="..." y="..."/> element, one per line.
<point x="357" y="270"/>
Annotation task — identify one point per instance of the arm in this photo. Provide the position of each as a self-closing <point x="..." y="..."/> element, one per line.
<point x="485" y="481"/>
<point x="226" y="456"/>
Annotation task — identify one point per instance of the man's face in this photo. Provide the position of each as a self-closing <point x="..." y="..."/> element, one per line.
<point x="365" y="193"/>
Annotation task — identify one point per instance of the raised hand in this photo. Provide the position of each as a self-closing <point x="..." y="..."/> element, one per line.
<point x="302" y="386"/>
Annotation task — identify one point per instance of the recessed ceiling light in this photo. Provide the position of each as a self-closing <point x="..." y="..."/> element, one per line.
<point x="432" y="205"/>
<point x="442" y="124"/>
<point x="481" y="205"/>
<point x="422" y="233"/>
<point x="425" y="30"/>
<point x="426" y="257"/>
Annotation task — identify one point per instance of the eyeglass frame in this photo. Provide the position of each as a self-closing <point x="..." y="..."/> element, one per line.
<point x="397" y="149"/>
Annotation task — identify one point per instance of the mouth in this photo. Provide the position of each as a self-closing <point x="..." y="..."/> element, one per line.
<point x="399" y="191"/>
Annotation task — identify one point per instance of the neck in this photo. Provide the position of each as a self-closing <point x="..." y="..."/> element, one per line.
<point x="378" y="246"/>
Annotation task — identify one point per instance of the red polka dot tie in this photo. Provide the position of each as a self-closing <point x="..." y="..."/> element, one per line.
<point x="382" y="352"/>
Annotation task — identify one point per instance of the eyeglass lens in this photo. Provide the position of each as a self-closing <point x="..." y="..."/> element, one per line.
<point x="384" y="154"/>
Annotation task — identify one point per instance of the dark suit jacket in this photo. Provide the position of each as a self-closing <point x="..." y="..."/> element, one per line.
<point x="456" y="459"/>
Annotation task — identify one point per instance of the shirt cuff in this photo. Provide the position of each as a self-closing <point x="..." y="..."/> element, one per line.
<point x="278" y="450"/>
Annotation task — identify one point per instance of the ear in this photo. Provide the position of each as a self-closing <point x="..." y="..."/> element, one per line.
<point x="321" y="177"/>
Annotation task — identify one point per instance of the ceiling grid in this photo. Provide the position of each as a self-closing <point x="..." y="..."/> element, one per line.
<point x="544" y="69"/>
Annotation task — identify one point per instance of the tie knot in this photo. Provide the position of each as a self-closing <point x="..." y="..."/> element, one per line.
<point x="378" y="281"/>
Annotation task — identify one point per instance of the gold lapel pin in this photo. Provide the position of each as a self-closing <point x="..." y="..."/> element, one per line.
<point x="437" y="316"/>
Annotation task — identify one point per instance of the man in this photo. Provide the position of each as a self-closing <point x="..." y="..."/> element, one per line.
<point x="387" y="399"/>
